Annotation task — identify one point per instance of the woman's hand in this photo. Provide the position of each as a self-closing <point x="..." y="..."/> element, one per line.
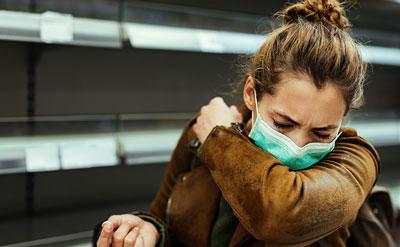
<point x="213" y="114"/>
<point x="127" y="230"/>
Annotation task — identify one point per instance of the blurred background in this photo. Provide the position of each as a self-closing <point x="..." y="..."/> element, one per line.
<point x="94" y="95"/>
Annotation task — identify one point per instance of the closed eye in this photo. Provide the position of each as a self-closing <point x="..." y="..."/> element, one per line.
<point x="322" y="136"/>
<point x="282" y="126"/>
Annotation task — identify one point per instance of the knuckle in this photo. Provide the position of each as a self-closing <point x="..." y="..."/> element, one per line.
<point x="216" y="99"/>
<point x="118" y="238"/>
<point x="141" y="223"/>
<point x="203" y="109"/>
<point x="129" y="240"/>
<point x="132" y="222"/>
<point x="126" y="218"/>
<point x="112" y="218"/>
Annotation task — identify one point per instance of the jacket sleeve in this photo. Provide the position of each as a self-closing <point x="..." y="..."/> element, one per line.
<point x="287" y="207"/>
<point x="158" y="223"/>
<point x="179" y="162"/>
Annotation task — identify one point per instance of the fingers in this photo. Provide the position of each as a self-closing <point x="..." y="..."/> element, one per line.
<point x="216" y="113"/>
<point x="139" y="241"/>
<point x="122" y="224"/>
<point x="116" y="220"/>
<point x="217" y="100"/>
<point x="120" y="234"/>
<point x="234" y="109"/>
<point x="203" y="109"/>
<point x="105" y="235"/>
<point x="131" y="237"/>
<point x="150" y="235"/>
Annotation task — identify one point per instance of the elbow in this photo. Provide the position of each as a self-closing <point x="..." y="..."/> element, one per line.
<point x="278" y="232"/>
<point x="288" y="228"/>
<point x="278" y="235"/>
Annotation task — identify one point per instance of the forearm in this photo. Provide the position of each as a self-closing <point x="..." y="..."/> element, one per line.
<point x="282" y="206"/>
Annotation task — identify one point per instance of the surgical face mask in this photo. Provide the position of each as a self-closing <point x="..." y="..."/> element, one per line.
<point x="284" y="149"/>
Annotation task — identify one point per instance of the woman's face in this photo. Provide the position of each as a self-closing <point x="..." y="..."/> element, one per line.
<point x="298" y="109"/>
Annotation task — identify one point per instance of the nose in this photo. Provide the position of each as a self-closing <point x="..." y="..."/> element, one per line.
<point x="299" y="138"/>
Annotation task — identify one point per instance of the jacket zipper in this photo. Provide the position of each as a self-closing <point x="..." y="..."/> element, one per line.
<point x="238" y="127"/>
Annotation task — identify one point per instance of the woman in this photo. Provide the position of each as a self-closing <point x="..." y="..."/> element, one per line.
<point x="286" y="173"/>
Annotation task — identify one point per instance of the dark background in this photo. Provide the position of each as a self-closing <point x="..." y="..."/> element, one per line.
<point x="61" y="80"/>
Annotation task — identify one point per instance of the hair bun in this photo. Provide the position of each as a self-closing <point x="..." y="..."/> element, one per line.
<point x="327" y="12"/>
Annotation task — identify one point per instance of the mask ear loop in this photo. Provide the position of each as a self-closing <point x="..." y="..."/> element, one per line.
<point x="255" y="100"/>
<point x="338" y="133"/>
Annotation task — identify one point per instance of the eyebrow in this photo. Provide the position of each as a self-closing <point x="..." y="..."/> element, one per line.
<point x="287" y="118"/>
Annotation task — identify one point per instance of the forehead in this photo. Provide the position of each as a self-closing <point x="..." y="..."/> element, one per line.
<point x="297" y="96"/>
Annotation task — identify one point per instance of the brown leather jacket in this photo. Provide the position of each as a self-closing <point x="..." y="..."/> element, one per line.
<point x="274" y="206"/>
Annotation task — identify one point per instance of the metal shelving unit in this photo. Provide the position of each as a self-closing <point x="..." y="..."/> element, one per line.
<point x="130" y="149"/>
<point x="49" y="26"/>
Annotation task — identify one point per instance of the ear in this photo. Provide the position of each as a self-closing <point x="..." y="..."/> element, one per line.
<point x="248" y="94"/>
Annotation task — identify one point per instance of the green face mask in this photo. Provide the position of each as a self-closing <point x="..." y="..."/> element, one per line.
<point x="284" y="149"/>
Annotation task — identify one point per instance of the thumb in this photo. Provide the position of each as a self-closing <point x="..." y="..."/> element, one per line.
<point x="105" y="235"/>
